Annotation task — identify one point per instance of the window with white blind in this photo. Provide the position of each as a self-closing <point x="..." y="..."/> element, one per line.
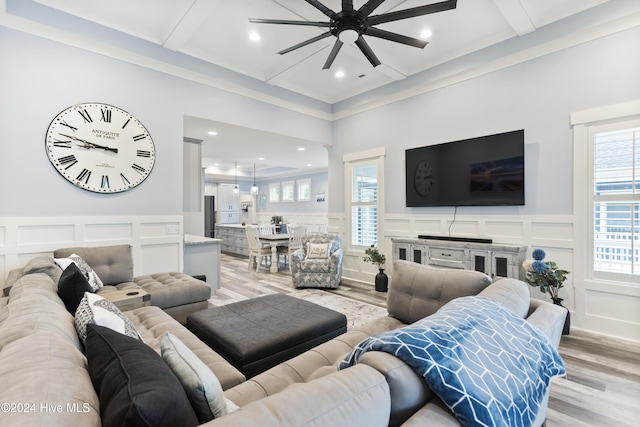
<point x="363" y="173"/>
<point x="615" y="200"/>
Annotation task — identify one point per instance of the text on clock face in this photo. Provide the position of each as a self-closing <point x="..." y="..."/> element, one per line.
<point x="100" y="148"/>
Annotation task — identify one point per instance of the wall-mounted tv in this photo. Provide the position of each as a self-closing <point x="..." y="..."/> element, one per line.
<point x="482" y="171"/>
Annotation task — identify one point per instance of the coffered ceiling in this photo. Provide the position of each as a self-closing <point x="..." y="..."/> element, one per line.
<point x="218" y="32"/>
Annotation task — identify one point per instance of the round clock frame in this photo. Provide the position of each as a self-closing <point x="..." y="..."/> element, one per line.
<point x="423" y="178"/>
<point x="100" y="148"/>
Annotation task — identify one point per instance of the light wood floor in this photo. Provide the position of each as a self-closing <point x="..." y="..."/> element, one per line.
<point x="602" y="386"/>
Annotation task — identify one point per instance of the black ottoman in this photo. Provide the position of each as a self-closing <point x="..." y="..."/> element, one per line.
<point x="257" y="334"/>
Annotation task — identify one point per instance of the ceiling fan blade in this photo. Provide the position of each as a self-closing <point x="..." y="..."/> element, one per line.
<point x="366" y="50"/>
<point x="333" y="54"/>
<point x="322" y="8"/>
<point x="287" y="22"/>
<point x="413" y="12"/>
<point x="347" y="5"/>
<point x="394" y="37"/>
<point x="306" y="42"/>
<point x="369" y="7"/>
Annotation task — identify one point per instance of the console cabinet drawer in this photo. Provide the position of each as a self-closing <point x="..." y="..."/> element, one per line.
<point x="446" y="254"/>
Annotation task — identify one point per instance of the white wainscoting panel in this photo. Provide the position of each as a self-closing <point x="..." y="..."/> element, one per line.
<point x="157" y="241"/>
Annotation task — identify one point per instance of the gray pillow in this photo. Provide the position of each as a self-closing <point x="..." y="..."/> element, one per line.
<point x="200" y="384"/>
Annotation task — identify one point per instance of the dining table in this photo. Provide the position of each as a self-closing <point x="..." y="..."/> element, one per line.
<point x="275" y="240"/>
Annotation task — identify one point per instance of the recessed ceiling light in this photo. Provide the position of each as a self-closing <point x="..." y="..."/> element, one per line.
<point x="309" y="164"/>
<point x="425" y="34"/>
<point x="216" y="164"/>
<point x="300" y="148"/>
<point x="254" y="37"/>
<point x="339" y="74"/>
<point x="260" y="158"/>
<point x="212" y="132"/>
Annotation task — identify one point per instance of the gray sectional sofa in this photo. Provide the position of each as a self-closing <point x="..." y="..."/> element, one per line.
<point x="42" y="360"/>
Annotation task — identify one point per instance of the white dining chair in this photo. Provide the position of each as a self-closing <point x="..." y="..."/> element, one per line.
<point x="257" y="252"/>
<point x="295" y="241"/>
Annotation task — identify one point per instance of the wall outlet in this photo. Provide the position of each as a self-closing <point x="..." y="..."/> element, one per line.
<point x="172" y="229"/>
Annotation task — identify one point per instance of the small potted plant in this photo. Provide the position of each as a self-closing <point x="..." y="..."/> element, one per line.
<point x="546" y="276"/>
<point x="375" y="257"/>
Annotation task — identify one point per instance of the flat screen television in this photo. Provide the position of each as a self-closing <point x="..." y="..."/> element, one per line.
<point x="482" y="171"/>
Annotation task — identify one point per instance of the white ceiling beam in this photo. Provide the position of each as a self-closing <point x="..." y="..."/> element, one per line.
<point x="199" y="11"/>
<point x="516" y="15"/>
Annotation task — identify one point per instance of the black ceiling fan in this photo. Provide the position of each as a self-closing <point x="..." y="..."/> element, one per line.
<point x="349" y="25"/>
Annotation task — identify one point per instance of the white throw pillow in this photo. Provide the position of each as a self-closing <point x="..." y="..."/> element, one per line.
<point x="97" y="310"/>
<point x="318" y="250"/>
<point x="200" y="384"/>
<point x="87" y="271"/>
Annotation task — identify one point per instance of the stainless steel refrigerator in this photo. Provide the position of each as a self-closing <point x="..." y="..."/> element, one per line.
<point x="209" y="216"/>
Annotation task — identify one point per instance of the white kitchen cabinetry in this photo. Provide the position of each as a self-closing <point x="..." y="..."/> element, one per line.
<point x="495" y="260"/>
<point x="228" y="205"/>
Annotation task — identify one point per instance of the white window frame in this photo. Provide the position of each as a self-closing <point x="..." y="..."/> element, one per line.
<point x="584" y="124"/>
<point x="351" y="161"/>
<point x="274" y="192"/>
<point x="288" y="193"/>
<point x="301" y="185"/>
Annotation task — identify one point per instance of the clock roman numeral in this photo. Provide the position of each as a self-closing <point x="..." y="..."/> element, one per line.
<point x="142" y="153"/>
<point x="126" y="123"/>
<point x="84" y="176"/>
<point x="68" y="160"/>
<point x="139" y="137"/>
<point x="105" y="115"/>
<point x="62" y="144"/>
<point x="125" y="181"/>
<point x="138" y="168"/>
<point x="85" y="115"/>
<point x="105" y="182"/>
<point x="63" y="123"/>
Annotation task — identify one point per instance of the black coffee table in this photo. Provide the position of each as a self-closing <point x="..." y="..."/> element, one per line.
<point x="257" y="334"/>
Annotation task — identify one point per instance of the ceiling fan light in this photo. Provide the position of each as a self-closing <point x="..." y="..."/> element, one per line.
<point x="348" y="36"/>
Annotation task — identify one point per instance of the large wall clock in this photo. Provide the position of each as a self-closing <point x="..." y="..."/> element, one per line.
<point x="100" y="148"/>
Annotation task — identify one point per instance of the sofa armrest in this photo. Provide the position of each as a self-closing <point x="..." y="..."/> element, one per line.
<point x="357" y="396"/>
<point x="549" y="318"/>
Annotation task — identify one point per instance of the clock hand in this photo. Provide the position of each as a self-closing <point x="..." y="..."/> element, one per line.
<point x="88" y="144"/>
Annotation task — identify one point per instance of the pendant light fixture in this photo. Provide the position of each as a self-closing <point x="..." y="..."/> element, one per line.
<point x="254" y="187"/>
<point x="236" y="189"/>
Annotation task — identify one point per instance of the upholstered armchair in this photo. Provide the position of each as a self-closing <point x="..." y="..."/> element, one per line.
<point x="318" y="264"/>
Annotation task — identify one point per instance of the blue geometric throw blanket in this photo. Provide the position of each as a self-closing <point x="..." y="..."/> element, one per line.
<point x="488" y="365"/>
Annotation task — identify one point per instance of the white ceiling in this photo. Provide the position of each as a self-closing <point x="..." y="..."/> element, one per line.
<point x="218" y="31"/>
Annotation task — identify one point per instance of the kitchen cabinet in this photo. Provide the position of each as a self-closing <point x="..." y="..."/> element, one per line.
<point x="234" y="239"/>
<point x="495" y="260"/>
<point x="228" y="205"/>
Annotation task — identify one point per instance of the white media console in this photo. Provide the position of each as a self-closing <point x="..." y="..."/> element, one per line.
<point x="495" y="260"/>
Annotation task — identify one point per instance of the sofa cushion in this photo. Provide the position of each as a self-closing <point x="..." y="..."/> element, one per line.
<point x="417" y="291"/>
<point x="92" y="277"/>
<point x="511" y="292"/>
<point x="72" y="286"/>
<point x="93" y="309"/>
<point x="43" y="264"/>
<point x="358" y="396"/>
<point x="134" y="384"/>
<point x="173" y="289"/>
<point x="113" y="264"/>
<point x="201" y="385"/>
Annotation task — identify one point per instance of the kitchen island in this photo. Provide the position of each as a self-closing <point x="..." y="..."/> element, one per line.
<point x="202" y="257"/>
<point x="234" y="239"/>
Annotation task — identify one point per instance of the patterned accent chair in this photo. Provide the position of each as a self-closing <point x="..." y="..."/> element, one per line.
<point x="317" y="273"/>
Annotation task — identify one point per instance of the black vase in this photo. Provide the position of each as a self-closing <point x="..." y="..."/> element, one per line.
<point x="567" y="321"/>
<point x="382" y="281"/>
